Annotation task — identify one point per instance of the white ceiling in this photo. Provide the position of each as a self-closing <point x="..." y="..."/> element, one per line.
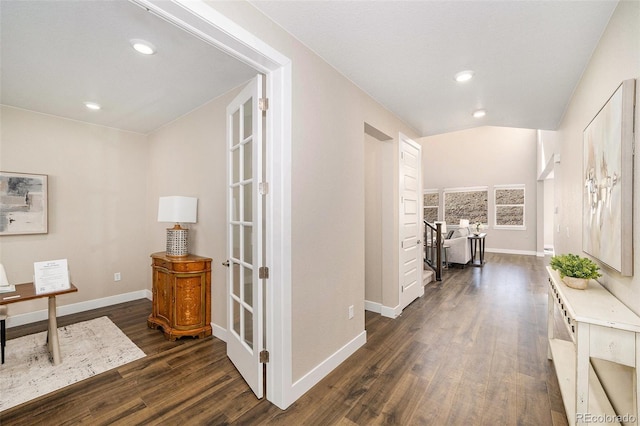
<point x="528" y="56"/>
<point x="57" y="54"/>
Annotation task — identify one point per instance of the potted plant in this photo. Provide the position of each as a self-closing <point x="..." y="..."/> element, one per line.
<point x="575" y="271"/>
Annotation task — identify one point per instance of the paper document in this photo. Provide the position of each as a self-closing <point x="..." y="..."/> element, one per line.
<point x="51" y="275"/>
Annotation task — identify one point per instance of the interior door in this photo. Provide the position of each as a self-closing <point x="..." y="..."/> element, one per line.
<point x="244" y="234"/>
<point x="411" y="245"/>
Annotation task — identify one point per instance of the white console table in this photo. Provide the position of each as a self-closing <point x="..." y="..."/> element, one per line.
<point x="602" y="328"/>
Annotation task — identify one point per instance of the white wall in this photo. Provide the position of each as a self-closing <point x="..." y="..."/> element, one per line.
<point x="549" y="215"/>
<point x="487" y="156"/>
<point x="98" y="179"/>
<point x="616" y="58"/>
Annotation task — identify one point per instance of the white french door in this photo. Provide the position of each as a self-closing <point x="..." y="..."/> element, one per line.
<point x="411" y="246"/>
<point x="245" y="234"/>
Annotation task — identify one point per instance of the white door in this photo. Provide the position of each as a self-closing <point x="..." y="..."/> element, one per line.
<point x="411" y="246"/>
<point x="244" y="235"/>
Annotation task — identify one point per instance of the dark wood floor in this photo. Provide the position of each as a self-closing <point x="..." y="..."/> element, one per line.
<point x="472" y="351"/>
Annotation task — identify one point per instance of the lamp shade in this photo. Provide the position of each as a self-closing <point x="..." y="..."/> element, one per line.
<point x="178" y="209"/>
<point x="464" y="223"/>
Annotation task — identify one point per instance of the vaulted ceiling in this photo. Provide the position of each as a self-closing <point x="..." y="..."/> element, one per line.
<point x="527" y="57"/>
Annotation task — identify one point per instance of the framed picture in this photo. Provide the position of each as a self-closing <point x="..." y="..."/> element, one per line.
<point x="23" y="203"/>
<point x="607" y="201"/>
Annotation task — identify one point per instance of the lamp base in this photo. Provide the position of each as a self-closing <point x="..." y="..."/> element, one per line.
<point x="177" y="241"/>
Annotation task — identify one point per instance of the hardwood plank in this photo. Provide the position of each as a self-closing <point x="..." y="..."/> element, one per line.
<point x="472" y="350"/>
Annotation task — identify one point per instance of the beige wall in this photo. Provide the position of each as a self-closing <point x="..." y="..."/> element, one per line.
<point x="487" y="156"/>
<point x="188" y="157"/>
<point x="328" y="226"/>
<point x="616" y="58"/>
<point x="97" y="184"/>
<point x="381" y="280"/>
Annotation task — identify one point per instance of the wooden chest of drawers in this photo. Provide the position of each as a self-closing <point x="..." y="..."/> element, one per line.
<point x="181" y="295"/>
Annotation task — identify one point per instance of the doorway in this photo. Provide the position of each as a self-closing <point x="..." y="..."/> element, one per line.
<point x="205" y="23"/>
<point x="380" y="269"/>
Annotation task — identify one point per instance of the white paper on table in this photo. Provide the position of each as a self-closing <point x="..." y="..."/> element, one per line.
<point x="51" y="275"/>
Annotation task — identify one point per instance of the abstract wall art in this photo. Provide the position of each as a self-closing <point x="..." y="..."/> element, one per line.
<point x="23" y="203"/>
<point x="607" y="206"/>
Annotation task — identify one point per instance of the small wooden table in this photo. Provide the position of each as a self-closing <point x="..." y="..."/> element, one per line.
<point x="476" y="243"/>
<point x="27" y="291"/>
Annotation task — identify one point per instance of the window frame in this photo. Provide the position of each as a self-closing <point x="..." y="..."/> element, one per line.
<point x="425" y="206"/>
<point x="497" y="188"/>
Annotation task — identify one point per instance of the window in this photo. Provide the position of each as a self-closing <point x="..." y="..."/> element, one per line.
<point x="431" y="203"/>
<point x="466" y="203"/>
<point x="509" y="206"/>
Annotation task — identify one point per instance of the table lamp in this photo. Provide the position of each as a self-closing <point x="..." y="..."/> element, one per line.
<point x="464" y="223"/>
<point x="178" y="210"/>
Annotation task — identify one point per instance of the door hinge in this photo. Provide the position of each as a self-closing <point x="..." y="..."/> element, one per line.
<point x="263" y="104"/>
<point x="263" y="187"/>
<point x="264" y="357"/>
<point x="263" y="272"/>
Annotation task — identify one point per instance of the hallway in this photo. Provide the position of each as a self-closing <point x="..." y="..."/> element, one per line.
<point x="471" y="351"/>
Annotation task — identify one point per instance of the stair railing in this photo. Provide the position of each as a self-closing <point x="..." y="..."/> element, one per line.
<point x="433" y="247"/>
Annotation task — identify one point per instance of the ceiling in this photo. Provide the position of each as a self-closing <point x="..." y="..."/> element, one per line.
<point x="527" y="57"/>
<point x="55" y="55"/>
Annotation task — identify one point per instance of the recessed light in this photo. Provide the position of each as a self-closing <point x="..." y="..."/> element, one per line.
<point x="92" y="106"/>
<point x="463" y="76"/>
<point x="143" y="46"/>
<point x="479" y="113"/>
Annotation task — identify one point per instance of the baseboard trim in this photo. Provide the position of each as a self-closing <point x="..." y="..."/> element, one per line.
<point x="74" y="308"/>
<point x="391" y="312"/>
<point x="372" y="306"/>
<point x="219" y="332"/>
<point x="385" y="311"/>
<point x="509" y="251"/>
<point x="313" y="377"/>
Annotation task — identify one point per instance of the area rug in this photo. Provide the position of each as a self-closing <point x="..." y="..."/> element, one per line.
<point x="88" y="348"/>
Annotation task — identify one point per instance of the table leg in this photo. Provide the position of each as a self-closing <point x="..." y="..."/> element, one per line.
<point x="482" y="251"/>
<point x="52" y="334"/>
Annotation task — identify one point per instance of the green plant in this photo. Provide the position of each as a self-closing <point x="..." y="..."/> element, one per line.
<point x="571" y="265"/>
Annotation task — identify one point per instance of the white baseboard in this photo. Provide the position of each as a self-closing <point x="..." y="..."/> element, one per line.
<point x="313" y="377"/>
<point x="372" y="306"/>
<point x="385" y="311"/>
<point x="29" y="317"/>
<point x="219" y="332"/>
<point x="509" y="251"/>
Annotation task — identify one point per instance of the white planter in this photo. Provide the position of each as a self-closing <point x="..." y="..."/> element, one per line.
<point x="577" y="283"/>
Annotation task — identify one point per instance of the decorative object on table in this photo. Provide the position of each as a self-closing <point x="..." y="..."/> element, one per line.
<point x="177" y="209"/>
<point x="5" y="287"/>
<point x="477" y="228"/>
<point x="90" y="348"/>
<point x="575" y="271"/>
<point x="607" y="206"/>
<point x="23" y="206"/>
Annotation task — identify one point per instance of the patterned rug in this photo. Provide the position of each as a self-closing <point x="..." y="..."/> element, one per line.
<point x="88" y="348"/>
